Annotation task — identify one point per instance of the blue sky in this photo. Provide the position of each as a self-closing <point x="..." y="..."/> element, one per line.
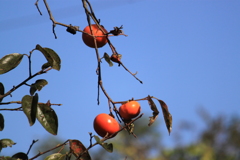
<point x="186" y="53"/>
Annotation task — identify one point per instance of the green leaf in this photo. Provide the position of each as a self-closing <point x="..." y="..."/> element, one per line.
<point x="34" y="108"/>
<point x="51" y="56"/>
<point x="1" y="122"/>
<point x="20" y="155"/>
<point x="154" y="109"/>
<point x="97" y="139"/>
<point x="9" y="62"/>
<point x="46" y="65"/>
<point x="29" y="105"/>
<point x="38" y="85"/>
<point x="4" y="143"/>
<point x="78" y="148"/>
<point x="1" y="91"/>
<point x="108" y="59"/>
<point x="48" y="118"/>
<point x="108" y="147"/>
<point x="56" y="156"/>
<point x="7" y="158"/>
<point x="167" y="116"/>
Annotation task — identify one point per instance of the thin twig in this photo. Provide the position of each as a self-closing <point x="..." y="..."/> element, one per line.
<point x="36" y="4"/>
<point x="24" y="82"/>
<point x="20" y="102"/>
<point x="34" y="141"/>
<point x="14" y="109"/>
<point x="41" y="153"/>
<point x="134" y="75"/>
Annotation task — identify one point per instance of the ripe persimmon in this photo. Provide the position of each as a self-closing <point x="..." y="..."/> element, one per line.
<point x="101" y="38"/>
<point x="104" y="123"/>
<point x="130" y="110"/>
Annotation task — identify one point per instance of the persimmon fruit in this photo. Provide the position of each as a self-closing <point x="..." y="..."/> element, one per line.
<point x="104" y="123"/>
<point x="101" y="38"/>
<point x="130" y="110"/>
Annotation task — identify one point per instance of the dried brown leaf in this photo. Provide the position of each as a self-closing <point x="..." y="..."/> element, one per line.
<point x="154" y="109"/>
<point x="167" y="116"/>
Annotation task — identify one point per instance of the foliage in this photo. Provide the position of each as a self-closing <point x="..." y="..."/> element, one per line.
<point x="45" y="114"/>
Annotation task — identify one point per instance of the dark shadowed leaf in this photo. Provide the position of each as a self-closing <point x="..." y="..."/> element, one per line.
<point x="33" y="89"/>
<point x="29" y="106"/>
<point x="21" y="156"/>
<point x="108" y="147"/>
<point x="38" y="85"/>
<point x="1" y="91"/>
<point x="56" y="156"/>
<point x="108" y="59"/>
<point x="34" y="108"/>
<point x="1" y="122"/>
<point x="51" y="56"/>
<point x="78" y="148"/>
<point x="48" y="118"/>
<point x="9" y="62"/>
<point x="154" y="109"/>
<point x="167" y="116"/>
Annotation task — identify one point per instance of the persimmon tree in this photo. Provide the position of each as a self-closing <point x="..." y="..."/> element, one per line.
<point x="94" y="36"/>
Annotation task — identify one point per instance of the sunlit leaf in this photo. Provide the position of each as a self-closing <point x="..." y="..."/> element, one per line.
<point x="56" y="156"/>
<point x="167" y="116"/>
<point x="8" y="158"/>
<point x="48" y="118"/>
<point x="38" y="85"/>
<point x="51" y="56"/>
<point x="108" y="147"/>
<point x="9" y="62"/>
<point x="78" y="148"/>
<point x="1" y="91"/>
<point x="21" y="156"/>
<point x="29" y="106"/>
<point x="1" y="122"/>
<point x="107" y="59"/>
<point x="97" y="139"/>
<point x="46" y="65"/>
<point x="154" y="109"/>
<point x="4" y="143"/>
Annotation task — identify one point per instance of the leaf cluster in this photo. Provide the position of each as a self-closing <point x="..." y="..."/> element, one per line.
<point x="45" y="114"/>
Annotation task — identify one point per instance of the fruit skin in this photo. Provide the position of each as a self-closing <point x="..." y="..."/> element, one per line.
<point x="89" y="40"/>
<point x="104" y="123"/>
<point x="130" y="110"/>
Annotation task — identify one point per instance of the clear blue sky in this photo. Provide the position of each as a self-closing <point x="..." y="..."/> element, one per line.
<point x="186" y="52"/>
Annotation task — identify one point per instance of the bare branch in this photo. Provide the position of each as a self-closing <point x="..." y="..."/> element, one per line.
<point x="41" y="153"/>
<point x="36" y="4"/>
<point x="24" y="82"/>
<point x="133" y="74"/>
<point x="34" y="141"/>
